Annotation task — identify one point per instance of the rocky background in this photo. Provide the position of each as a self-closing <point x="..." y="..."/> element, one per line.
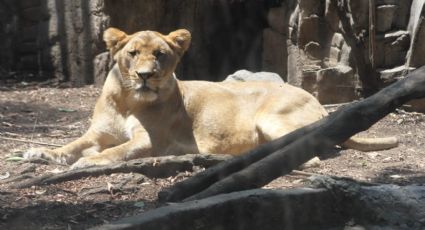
<point x="320" y="45"/>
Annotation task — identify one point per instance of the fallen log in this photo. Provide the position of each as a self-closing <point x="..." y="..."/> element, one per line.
<point x="290" y="151"/>
<point x="157" y="167"/>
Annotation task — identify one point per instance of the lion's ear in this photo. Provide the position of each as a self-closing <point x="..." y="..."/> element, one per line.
<point x="115" y="40"/>
<point x="181" y="39"/>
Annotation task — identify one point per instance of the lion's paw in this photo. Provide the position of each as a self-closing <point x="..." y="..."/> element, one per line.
<point x="90" y="161"/>
<point x="46" y="154"/>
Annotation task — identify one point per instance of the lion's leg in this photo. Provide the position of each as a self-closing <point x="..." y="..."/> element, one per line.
<point x="271" y="127"/>
<point x="88" y="144"/>
<point x="138" y="146"/>
<point x="274" y="126"/>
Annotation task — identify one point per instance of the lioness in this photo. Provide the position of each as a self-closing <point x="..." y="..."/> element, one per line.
<point x="144" y="110"/>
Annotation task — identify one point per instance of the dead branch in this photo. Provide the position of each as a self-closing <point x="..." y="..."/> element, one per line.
<point x="152" y="167"/>
<point x="287" y="153"/>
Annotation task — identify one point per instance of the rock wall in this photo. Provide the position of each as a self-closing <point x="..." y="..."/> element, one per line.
<point x="64" y="38"/>
<point x="319" y="58"/>
<point x="301" y="40"/>
<point x="59" y="38"/>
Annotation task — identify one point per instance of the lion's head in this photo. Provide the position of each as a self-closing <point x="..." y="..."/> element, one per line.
<point x="147" y="59"/>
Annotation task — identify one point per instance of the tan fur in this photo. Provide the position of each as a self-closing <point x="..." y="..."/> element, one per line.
<point x="161" y="115"/>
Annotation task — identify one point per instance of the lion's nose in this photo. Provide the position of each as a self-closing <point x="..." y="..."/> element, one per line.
<point x="145" y="74"/>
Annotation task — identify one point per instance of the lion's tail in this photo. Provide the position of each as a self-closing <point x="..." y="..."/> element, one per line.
<point x="371" y="144"/>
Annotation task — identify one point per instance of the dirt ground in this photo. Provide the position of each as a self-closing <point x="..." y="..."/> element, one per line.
<point x="55" y="114"/>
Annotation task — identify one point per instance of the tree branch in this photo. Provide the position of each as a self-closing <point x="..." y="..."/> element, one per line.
<point x="152" y="167"/>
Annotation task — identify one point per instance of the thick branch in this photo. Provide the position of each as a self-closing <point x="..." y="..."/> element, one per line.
<point x="323" y="135"/>
<point x="151" y="167"/>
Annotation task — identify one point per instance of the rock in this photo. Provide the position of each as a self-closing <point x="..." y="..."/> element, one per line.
<point x="245" y="75"/>
<point x="334" y="56"/>
<point x="309" y="30"/>
<point x="309" y="81"/>
<point x="335" y="51"/>
<point x="294" y="65"/>
<point x="385" y="17"/>
<point x="402" y="13"/>
<point x="336" y="85"/>
<point x="337" y="40"/>
<point x="103" y="63"/>
<point x="389" y="76"/>
<point x="313" y="163"/>
<point x="314" y="50"/>
<point x="416" y="27"/>
<point x="392" y="48"/>
<point x="345" y="56"/>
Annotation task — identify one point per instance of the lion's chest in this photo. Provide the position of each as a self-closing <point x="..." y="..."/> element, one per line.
<point x="168" y="134"/>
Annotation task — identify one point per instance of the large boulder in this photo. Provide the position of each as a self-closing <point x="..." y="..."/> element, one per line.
<point x="335" y="85"/>
<point x="245" y="75"/>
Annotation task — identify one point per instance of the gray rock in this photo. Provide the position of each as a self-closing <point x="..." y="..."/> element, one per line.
<point x="245" y="75"/>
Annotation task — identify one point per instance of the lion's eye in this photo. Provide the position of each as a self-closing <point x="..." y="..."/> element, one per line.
<point x="132" y="53"/>
<point x="158" y="53"/>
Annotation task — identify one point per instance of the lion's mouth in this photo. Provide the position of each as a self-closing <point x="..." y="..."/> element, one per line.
<point x="143" y="88"/>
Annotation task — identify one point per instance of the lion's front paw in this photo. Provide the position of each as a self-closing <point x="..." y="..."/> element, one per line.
<point x="85" y="162"/>
<point x="47" y="154"/>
